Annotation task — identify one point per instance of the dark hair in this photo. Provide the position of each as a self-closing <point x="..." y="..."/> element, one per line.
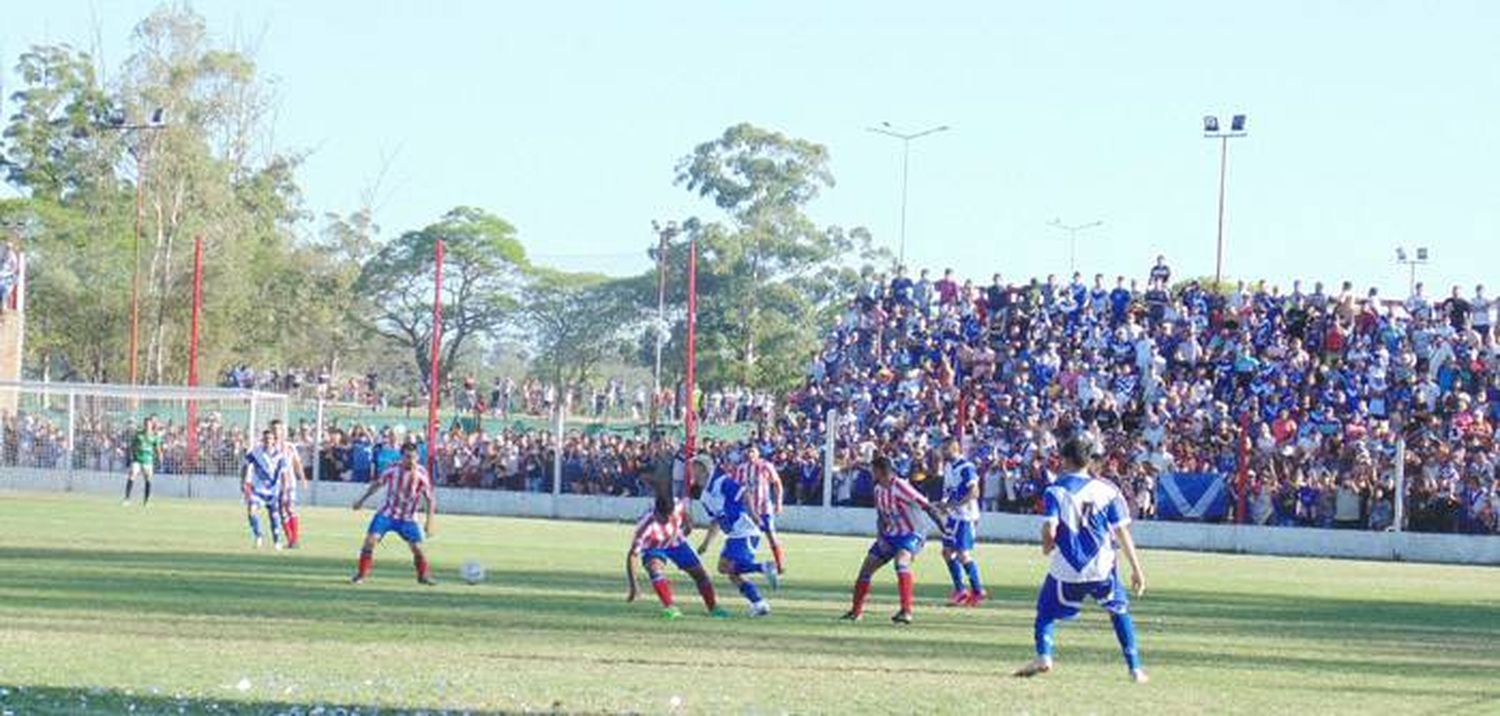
<point x="881" y="463"/>
<point x="408" y="447"/>
<point x="1078" y="450"/>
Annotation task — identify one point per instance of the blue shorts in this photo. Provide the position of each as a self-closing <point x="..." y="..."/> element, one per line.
<point x="1064" y="600"/>
<point x="959" y="535"/>
<point x="886" y="546"/>
<point x="409" y="530"/>
<point x="740" y="551"/>
<point x="682" y="555"/>
<point x="270" y="501"/>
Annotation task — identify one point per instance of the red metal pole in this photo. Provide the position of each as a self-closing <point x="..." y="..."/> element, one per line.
<point x="192" y="381"/>
<point x="1244" y="469"/>
<point x="690" y="418"/>
<point x="437" y="342"/>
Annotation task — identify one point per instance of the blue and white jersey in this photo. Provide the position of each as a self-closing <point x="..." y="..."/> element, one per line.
<point x="724" y="501"/>
<point x="267" y="470"/>
<point x="958" y="480"/>
<point x="1085" y="512"/>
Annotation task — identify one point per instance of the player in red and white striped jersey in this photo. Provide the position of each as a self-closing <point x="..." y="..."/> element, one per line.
<point x="407" y="486"/>
<point x="900" y="537"/>
<point x="760" y="478"/>
<point x="659" y="538"/>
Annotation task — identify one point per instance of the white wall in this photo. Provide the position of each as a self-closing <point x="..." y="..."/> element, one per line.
<point x="1455" y="549"/>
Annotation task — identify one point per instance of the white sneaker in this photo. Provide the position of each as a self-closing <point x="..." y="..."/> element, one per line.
<point x="1139" y="676"/>
<point x="260" y="542"/>
<point x="772" y="578"/>
<point x="276" y="546"/>
<point x="761" y="608"/>
<point x="125" y="502"/>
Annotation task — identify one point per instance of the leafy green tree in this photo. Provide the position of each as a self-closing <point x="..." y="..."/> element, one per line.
<point x="482" y="270"/>
<point x="575" y="322"/>
<point x="769" y="276"/>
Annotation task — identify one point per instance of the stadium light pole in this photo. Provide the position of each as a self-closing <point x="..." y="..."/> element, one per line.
<point x="690" y="416"/>
<point x="1073" y="231"/>
<point x="1211" y="130"/>
<point x="664" y="234"/>
<point x="906" y="139"/>
<point x="155" y="123"/>
<point x="192" y="377"/>
<point x="1411" y="262"/>
<point x="437" y="344"/>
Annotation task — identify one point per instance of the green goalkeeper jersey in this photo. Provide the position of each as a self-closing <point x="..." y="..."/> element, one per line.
<point x="143" y="448"/>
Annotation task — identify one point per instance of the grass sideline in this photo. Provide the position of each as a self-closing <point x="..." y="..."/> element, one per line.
<point x="107" y="609"/>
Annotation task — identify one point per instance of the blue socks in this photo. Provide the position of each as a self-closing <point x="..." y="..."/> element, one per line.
<point x="1044" y="630"/>
<point x="1125" y="632"/>
<point x="748" y="589"/>
<point x="955" y="570"/>
<point x="973" y="569"/>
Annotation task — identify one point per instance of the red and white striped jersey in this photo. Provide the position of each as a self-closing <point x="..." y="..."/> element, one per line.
<point x="900" y="506"/>
<point x="404" y="490"/>
<point x="758" y="477"/>
<point x="651" y="534"/>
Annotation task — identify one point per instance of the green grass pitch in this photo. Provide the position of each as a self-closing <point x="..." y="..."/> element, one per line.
<point x="107" y="609"/>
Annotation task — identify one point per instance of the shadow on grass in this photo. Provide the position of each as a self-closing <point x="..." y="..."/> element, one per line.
<point x="49" y="700"/>
<point x="582" y="606"/>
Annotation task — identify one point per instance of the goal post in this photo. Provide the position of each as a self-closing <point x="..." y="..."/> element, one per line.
<point x="82" y="427"/>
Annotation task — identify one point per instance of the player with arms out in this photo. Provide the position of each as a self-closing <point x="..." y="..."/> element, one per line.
<point x="265" y="470"/>
<point x="145" y="451"/>
<point x="961" y="503"/>
<point x="406" y="484"/>
<point x="296" y="473"/>
<point x="1084" y="519"/>
<point x="759" y="476"/>
<point x="660" y="537"/>
<point x="730" y="506"/>
<point x="898" y="538"/>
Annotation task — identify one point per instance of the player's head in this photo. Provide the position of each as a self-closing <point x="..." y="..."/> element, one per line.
<point x="702" y="467"/>
<point x="663" y="503"/>
<point x="409" y="455"/>
<point x="880" y="468"/>
<point x="1077" y="452"/>
<point x="953" y="448"/>
<point x="279" y="428"/>
<point x="267" y="438"/>
<point x="151" y="421"/>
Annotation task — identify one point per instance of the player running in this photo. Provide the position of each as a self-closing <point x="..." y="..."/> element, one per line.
<point x="961" y="503"/>
<point x="265" y="471"/>
<point x="145" y="451"/>
<point x="660" y="537"/>
<point x="759" y="476"/>
<point x="728" y="503"/>
<point x="296" y="473"/>
<point x="406" y="483"/>
<point x="1084" y="519"/>
<point x="898" y="538"/>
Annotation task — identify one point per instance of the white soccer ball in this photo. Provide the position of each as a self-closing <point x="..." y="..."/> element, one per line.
<point x="472" y="572"/>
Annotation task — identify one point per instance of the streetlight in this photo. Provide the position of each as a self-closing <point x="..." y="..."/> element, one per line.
<point x="906" y="140"/>
<point x="664" y="234"/>
<point x="1073" y="238"/>
<point x="117" y="123"/>
<point x="1412" y="263"/>
<point x="1211" y="130"/>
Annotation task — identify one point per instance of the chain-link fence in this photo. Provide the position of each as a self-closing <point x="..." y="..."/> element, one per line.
<point x="86" y="427"/>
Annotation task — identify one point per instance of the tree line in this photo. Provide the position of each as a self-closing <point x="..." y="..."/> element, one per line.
<point x="176" y="144"/>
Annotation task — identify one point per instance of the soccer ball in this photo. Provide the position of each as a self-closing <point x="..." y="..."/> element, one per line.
<point x="472" y="572"/>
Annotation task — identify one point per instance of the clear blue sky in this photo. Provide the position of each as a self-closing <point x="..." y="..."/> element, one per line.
<point x="1372" y="124"/>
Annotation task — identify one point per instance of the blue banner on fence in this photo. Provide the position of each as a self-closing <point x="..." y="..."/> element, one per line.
<point x="1196" y="496"/>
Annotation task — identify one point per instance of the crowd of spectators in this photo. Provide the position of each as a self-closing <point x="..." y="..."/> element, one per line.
<point x="1305" y="392"/>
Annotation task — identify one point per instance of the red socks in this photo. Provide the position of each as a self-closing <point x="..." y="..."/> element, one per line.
<point x="710" y="600"/>
<point x="421" y="563"/>
<point x="366" y="557"/>
<point x="776" y="553"/>
<point x="293" y="531"/>
<point x="904" y="586"/>
<point x="663" y="591"/>
<point x="861" y="591"/>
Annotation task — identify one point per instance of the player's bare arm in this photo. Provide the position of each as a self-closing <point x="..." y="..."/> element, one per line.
<point x="1127" y="545"/>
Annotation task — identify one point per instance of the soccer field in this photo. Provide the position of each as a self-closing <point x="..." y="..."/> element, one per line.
<point x="105" y="609"/>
